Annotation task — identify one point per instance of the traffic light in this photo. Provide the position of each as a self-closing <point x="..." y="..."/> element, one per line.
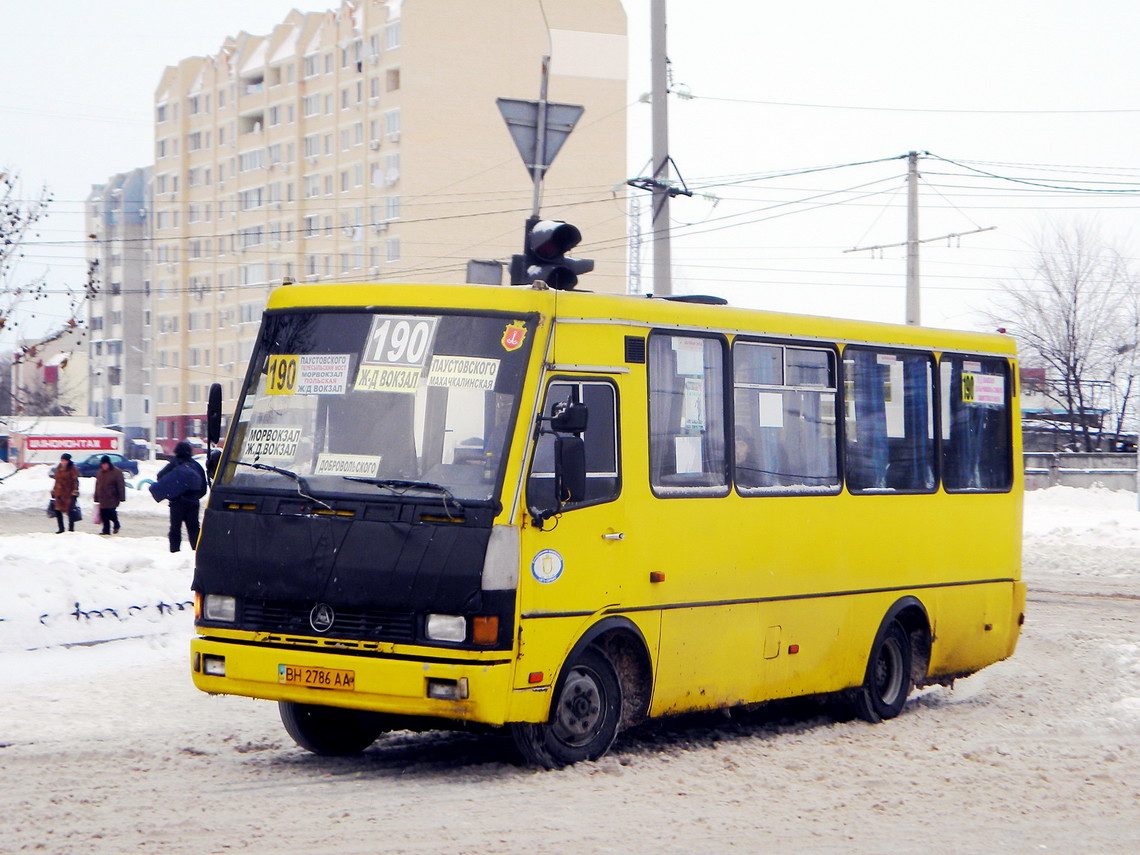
<point x="547" y="242"/>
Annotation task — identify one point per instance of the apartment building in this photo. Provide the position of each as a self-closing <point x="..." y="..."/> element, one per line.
<point x="118" y="227"/>
<point x="364" y="144"/>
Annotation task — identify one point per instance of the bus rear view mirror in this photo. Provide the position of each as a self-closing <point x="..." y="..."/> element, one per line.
<point x="569" y="418"/>
<point x="569" y="468"/>
<point x="214" y="414"/>
<point x="212" y="460"/>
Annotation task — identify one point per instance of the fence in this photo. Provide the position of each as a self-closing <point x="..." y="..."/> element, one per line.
<point x="1079" y="469"/>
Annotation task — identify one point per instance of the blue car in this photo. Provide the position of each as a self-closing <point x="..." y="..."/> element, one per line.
<point x="90" y="465"/>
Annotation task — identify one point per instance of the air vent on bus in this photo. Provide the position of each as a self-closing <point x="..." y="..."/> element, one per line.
<point x="705" y="299"/>
<point x="635" y="349"/>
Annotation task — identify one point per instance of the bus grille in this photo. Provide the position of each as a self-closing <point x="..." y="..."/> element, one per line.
<point x="293" y="618"/>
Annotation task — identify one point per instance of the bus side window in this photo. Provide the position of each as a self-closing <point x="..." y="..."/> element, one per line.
<point x="687" y="455"/>
<point x="784" y="429"/>
<point x="603" y="477"/>
<point x="890" y="421"/>
<point x="976" y="443"/>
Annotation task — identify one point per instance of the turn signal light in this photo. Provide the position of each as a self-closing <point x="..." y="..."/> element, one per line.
<point x="485" y="629"/>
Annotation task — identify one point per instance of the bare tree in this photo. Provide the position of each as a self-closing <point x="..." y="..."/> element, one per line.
<point x="1074" y="314"/>
<point x="19" y="219"/>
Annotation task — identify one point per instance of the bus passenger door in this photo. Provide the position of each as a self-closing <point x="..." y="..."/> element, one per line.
<point x="572" y="564"/>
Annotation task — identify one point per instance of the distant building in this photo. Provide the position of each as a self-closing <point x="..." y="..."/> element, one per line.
<point x="118" y="257"/>
<point x="1047" y="425"/>
<point x="48" y="376"/>
<point x="364" y="144"/>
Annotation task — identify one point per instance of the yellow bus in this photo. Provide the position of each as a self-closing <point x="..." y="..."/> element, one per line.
<point x="562" y="513"/>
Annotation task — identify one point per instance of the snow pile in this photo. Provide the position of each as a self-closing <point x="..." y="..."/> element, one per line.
<point x="78" y="587"/>
<point x="1073" y="532"/>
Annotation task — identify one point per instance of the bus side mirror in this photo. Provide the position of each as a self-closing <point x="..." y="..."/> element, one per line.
<point x="214" y="414"/>
<point x="569" y="418"/>
<point x="569" y="469"/>
<point x="212" y="460"/>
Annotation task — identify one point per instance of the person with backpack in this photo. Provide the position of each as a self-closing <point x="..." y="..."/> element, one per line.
<point x="182" y="482"/>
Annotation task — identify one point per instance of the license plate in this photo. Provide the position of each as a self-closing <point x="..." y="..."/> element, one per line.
<point x="317" y="678"/>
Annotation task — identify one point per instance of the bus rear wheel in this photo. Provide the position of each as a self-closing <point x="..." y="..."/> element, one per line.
<point x="888" y="681"/>
<point x="584" y="715"/>
<point x="331" y="731"/>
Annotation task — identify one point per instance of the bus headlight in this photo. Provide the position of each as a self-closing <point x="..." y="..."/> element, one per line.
<point x="446" y="627"/>
<point x="220" y="608"/>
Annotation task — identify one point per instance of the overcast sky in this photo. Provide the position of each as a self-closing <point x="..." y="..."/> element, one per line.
<point x="1041" y="91"/>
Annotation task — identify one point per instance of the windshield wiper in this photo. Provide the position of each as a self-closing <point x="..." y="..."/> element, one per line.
<point x="402" y="485"/>
<point x="302" y="484"/>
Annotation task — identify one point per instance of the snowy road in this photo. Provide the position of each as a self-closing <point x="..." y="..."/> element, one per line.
<point x="109" y="749"/>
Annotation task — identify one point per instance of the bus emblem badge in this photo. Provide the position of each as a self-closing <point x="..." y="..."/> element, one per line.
<point x="321" y="618"/>
<point x="547" y="566"/>
<point x="514" y="336"/>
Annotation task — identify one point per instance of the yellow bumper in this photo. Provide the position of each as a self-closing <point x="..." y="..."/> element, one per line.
<point x="381" y="683"/>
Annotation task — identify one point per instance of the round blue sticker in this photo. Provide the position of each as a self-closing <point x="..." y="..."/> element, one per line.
<point x="547" y="566"/>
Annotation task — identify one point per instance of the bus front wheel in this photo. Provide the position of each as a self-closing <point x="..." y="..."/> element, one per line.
<point x="331" y="731"/>
<point x="888" y="680"/>
<point x="584" y="715"/>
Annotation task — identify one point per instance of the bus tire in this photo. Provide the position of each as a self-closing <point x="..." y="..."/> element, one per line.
<point x="584" y="715"/>
<point x="331" y="731"/>
<point x="888" y="681"/>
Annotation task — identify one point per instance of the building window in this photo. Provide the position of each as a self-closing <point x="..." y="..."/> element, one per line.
<point x="392" y="35"/>
<point x="254" y="159"/>
<point x="252" y="198"/>
<point x="392" y="125"/>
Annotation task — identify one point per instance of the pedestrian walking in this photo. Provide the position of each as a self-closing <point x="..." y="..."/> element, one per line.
<point x="65" y="492"/>
<point x="110" y="492"/>
<point x="182" y="482"/>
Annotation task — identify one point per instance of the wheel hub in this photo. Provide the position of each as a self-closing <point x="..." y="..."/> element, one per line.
<point x="580" y="708"/>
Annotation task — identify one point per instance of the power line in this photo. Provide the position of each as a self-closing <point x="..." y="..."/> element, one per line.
<point x="869" y="108"/>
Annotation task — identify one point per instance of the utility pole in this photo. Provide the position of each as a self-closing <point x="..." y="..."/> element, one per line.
<point x="912" y="298"/>
<point x="659" y="103"/>
<point x="913" y="241"/>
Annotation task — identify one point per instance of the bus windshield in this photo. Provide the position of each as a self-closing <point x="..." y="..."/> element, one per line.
<point x="380" y="403"/>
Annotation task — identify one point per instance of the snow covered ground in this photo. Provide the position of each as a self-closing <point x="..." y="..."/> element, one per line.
<point x="107" y="747"/>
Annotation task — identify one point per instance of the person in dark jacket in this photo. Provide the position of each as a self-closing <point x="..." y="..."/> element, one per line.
<point x="110" y="491"/>
<point x="65" y="492"/>
<point x="184" y="503"/>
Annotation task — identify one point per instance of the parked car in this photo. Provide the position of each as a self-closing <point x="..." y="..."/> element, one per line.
<point x="88" y="466"/>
